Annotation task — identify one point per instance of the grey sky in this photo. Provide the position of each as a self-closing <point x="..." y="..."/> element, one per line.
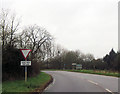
<point x="87" y="25"/>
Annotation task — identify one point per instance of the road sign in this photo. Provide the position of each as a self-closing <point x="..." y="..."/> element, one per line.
<point x="79" y="66"/>
<point x="73" y="63"/>
<point x="25" y="63"/>
<point x="25" y="52"/>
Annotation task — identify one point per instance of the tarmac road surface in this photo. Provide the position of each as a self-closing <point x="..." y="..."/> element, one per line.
<point x="80" y="82"/>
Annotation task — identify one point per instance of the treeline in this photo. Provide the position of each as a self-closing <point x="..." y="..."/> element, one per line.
<point x="65" y="59"/>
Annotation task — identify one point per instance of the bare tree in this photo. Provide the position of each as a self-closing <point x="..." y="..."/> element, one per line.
<point x="13" y="28"/>
<point x="8" y="27"/>
<point x="89" y="57"/>
<point x="3" y="26"/>
<point x="37" y="39"/>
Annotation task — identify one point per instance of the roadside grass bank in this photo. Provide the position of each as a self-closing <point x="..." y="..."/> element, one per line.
<point x="98" y="72"/>
<point x="33" y="84"/>
<point x="0" y="87"/>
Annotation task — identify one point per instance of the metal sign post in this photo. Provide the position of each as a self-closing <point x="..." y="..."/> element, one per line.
<point x="63" y="66"/>
<point x="25" y="63"/>
<point x="79" y="66"/>
<point x="25" y="73"/>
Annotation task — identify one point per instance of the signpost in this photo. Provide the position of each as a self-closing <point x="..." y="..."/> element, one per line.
<point x="73" y="65"/>
<point x="25" y="53"/>
<point x="64" y="67"/>
<point x="79" y="66"/>
<point x="76" y="66"/>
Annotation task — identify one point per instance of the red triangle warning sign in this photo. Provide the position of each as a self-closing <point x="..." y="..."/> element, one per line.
<point x="25" y="52"/>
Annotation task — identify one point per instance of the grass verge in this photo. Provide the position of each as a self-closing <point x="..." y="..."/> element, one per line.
<point x="98" y="72"/>
<point x="34" y="84"/>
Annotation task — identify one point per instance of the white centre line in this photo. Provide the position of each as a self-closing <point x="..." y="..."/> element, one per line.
<point x="109" y="91"/>
<point x="97" y="84"/>
<point x="93" y="82"/>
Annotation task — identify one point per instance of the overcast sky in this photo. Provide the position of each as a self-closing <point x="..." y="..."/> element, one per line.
<point x="87" y="25"/>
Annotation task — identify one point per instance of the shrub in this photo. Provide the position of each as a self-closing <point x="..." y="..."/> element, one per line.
<point x="11" y="68"/>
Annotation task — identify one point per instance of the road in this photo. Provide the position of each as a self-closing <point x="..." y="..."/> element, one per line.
<point x="80" y="82"/>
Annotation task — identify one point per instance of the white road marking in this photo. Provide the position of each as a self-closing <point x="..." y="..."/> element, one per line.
<point x="50" y="85"/>
<point x="109" y="91"/>
<point x="53" y="81"/>
<point x="97" y="84"/>
<point x="93" y="82"/>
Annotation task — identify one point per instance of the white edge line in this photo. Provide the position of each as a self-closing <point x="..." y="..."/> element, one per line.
<point x="50" y="85"/>
<point x="53" y="81"/>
